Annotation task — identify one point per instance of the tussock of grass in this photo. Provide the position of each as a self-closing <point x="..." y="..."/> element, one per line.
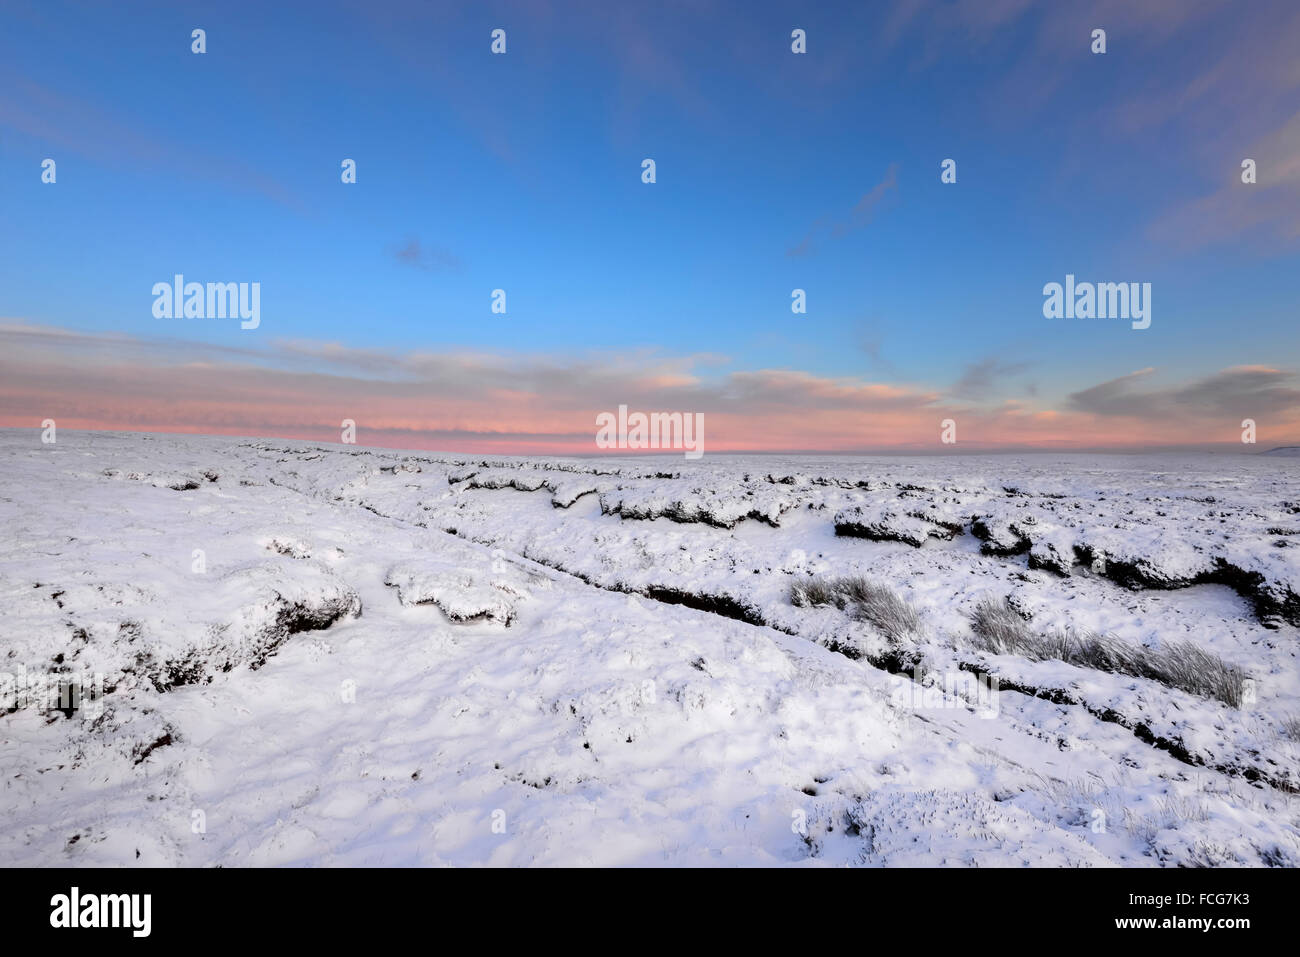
<point x="1001" y="630"/>
<point x="1291" y="726"/>
<point x="1171" y="812"/>
<point x="815" y="592"/>
<point x="1088" y="795"/>
<point x="882" y="608"/>
<point x="877" y="604"/>
<point x="1193" y="669"/>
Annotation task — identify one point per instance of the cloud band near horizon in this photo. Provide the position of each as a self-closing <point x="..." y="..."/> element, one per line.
<point x="542" y="404"/>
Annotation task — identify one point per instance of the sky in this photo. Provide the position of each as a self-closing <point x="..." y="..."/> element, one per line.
<point x="774" y="171"/>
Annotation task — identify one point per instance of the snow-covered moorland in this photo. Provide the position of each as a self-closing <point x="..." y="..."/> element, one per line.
<point x="279" y="652"/>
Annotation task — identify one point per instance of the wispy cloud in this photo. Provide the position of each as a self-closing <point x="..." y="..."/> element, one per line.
<point x="1269" y="209"/>
<point x="1259" y="392"/>
<point x="104" y="135"/>
<point x="429" y="258"/>
<point x="985" y="377"/>
<point x="859" y="216"/>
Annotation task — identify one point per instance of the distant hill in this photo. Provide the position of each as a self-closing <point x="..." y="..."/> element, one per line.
<point x="1292" y="450"/>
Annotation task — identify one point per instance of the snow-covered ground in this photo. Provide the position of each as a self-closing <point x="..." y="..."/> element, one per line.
<point x="295" y="653"/>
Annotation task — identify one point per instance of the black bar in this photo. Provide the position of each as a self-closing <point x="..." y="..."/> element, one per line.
<point x="219" y="906"/>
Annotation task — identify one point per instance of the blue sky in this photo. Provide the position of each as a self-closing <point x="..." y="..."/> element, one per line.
<point x="522" y="172"/>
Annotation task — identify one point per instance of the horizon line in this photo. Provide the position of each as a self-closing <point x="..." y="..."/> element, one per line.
<point x="968" y="449"/>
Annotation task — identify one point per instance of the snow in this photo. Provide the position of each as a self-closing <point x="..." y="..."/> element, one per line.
<point x="308" y="654"/>
<point x="462" y="594"/>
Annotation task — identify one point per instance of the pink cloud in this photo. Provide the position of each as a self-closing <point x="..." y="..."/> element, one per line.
<point x="546" y="404"/>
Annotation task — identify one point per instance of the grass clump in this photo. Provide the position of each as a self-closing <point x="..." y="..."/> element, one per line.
<point x="1291" y="726"/>
<point x="1000" y="629"/>
<point x="863" y="600"/>
<point x="815" y="592"/>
